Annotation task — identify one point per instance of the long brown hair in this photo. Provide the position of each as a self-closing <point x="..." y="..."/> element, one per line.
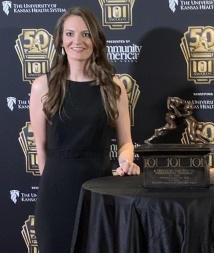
<point x="100" y="68"/>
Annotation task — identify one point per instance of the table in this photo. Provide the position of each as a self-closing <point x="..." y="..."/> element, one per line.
<point x="117" y="215"/>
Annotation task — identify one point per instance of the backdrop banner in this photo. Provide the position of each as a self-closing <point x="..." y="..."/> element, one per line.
<point x="159" y="49"/>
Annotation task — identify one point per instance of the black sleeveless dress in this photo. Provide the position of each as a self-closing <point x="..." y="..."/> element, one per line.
<point x="77" y="150"/>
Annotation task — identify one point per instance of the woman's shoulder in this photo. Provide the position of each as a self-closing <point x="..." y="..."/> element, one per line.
<point x="118" y="82"/>
<point x="40" y="84"/>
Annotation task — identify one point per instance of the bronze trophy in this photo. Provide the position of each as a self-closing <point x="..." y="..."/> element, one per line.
<point x="180" y="153"/>
<point x="181" y="111"/>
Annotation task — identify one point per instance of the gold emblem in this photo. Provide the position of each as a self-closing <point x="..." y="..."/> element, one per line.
<point x="133" y="93"/>
<point x="28" y="233"/>
<point x="27" y="142"/>
<point x="117" y="14"/>
<point x="198" y="49"/>
<point x="203" y="131"/>
<point x="36" y="51"/>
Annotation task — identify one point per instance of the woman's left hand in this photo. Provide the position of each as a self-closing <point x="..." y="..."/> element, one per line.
<point x="128" y="168"/>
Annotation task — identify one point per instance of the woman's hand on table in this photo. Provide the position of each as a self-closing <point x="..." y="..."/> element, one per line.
<point x="128" y="168"/>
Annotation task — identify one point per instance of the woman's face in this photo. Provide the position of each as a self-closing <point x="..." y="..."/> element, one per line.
<point x="76" y="39"/>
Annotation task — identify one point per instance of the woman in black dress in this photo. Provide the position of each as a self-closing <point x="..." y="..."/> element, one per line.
<point x="73" y="110"/>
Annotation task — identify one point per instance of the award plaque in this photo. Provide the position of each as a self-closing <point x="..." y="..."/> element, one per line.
<point x="176" y="165"/>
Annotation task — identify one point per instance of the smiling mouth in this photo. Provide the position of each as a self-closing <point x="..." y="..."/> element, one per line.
<point x="77" y="48"/>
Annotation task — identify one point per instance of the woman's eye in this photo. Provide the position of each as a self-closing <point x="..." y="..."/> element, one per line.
<point x="86" y="34"/>
<point x="69" y="34"/>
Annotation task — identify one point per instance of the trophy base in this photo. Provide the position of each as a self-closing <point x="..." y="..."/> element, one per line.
<point x="176" y="165"/>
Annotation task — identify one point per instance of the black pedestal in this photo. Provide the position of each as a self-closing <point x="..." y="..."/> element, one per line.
<point x="176" y="165"/>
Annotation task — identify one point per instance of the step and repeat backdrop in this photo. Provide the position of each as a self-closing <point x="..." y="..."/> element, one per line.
<point x="159" y="49"/>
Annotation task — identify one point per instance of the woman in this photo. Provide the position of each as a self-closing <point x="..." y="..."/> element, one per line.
<point x="72" y="111"/>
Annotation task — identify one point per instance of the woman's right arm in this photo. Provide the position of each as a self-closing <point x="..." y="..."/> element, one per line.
<point x="37" y="117"/>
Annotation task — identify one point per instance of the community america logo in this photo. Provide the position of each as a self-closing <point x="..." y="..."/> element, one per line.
<point x="6" y="6"/>
<point x="123" y="51"/>
<point x="113" y="151"/>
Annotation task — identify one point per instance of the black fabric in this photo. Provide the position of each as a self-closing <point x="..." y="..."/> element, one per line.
<point x="117" y="215"/>
<point x="77" y="142"/>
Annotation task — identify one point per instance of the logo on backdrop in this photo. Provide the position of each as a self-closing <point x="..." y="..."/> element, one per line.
<point x="174" y="5"/>
<point x="18" y="196"/>
<point x="14" y="103"/>
<point x="32" y="8"/>
<point x="123" y="51"/>
<point x="36" y="51"/>
<point x="113" y="153"/>
<point x="27" y="142"/>
<point x="11" y="101"/>
<point x="203" y="101"/>
<point x="14" y="195"/>
<point x="29" y="235"/>
<point x="197" y="46"/>
<point x="133" y="93"/>
<point x="204" y="131"/>
<point x="6" y="6"/>
<point x="117" y="14"/>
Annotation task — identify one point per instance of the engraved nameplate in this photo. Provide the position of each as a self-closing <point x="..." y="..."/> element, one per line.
<point x="171" y="171"/>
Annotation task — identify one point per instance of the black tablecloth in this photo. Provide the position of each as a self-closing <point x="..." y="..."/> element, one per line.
<point x="117" y="215"/>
